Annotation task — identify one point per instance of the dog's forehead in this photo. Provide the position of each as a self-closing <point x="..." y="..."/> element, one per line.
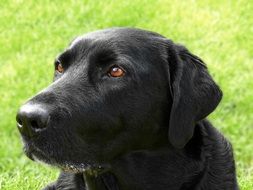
<point x="128" y="45"/>
<point x="117" y="36"/>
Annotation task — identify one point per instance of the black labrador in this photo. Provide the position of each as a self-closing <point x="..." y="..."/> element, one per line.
<point x="126" y="111"/>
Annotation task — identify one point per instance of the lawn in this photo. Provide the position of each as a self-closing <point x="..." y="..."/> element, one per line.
<point x="32" y="33"/>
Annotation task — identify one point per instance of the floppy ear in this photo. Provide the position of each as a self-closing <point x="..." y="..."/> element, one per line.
<point x="194" y="94"/>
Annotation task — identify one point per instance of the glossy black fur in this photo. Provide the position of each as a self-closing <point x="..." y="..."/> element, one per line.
<point x="143" y="131"/>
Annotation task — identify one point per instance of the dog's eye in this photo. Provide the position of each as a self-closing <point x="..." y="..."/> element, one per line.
<point x="116" y="71"/>
<point x="59" y="68"/>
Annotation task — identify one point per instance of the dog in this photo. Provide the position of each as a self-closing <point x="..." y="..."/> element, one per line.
<point x="127" y="111"/>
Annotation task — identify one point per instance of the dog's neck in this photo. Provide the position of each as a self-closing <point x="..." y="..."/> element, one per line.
<point x="142" y="165"/>
<point x="129" y="170"/>
<point x="139" y="168"/>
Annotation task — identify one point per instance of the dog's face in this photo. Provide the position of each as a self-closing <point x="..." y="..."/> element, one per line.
<point x="116" y="91"/>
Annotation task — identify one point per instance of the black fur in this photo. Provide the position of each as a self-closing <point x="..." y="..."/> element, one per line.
<point x="145" y="130"/>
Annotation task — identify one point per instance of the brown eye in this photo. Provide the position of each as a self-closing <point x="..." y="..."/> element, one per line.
<point x="116" y="71"/>
<point x="60" y="68"/>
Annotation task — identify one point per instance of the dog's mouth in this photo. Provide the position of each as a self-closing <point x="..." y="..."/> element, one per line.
<point x="35" y="154"/>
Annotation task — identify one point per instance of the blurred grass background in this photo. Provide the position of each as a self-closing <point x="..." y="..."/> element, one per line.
<point x="32" y="33"/>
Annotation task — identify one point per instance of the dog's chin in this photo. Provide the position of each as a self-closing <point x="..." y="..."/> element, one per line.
<point x="37" y="155"/>
<point x="69" y="166"/>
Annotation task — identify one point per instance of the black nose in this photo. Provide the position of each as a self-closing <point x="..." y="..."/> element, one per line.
<point x="32" y="119"/>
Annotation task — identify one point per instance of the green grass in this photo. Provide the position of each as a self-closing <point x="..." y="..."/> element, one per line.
<point x="32" y="33"/>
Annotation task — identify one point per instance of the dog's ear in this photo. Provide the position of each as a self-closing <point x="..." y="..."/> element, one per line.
<point x="194" y="94"/>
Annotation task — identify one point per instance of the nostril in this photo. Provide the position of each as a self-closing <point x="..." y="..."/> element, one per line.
<point x="21" y="124"/>
<point x="34" y="124"/>
<point x="19" y="121"/>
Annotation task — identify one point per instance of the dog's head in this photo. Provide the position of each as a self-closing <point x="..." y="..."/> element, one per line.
<point x="116" y="91"/>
